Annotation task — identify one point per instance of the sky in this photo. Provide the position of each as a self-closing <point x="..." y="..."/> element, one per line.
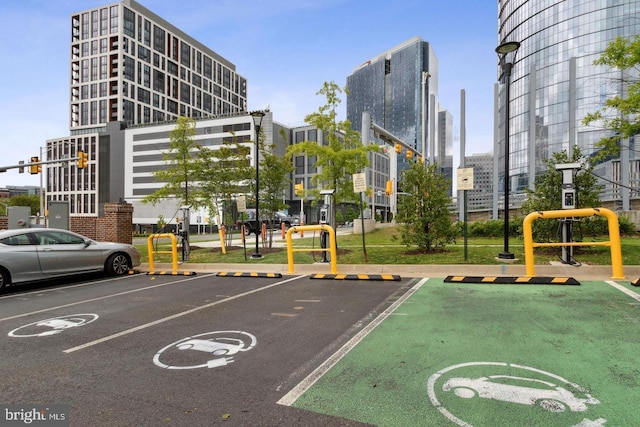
<point x="286" y="49"/>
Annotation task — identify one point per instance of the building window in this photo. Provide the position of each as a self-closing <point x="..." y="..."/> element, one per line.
<point x="299" y="165"/>
<point x="185" y="93"/>
<point x="129" y="24"/>
<point x="311" y="164"/>
<point x="208" y="67"/>
<point x="158" y="81"/>
<point x="185" y="54"/>
<point x="144" y="96"/>
<point x="172" y="68"/>
<point x="144" y="54"/>
<point x="113" y="19"/>
<point x="129" y="68"/>
<point x="158" y="39"/>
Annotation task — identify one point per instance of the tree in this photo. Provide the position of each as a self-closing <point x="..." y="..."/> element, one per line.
<point x="223" y="173"/>
<point x="274" y="181"/>
<point x="547" y="195"/>
<point x="31" y="200"/>
<point x="182" y="167"/>
<point x="423" y="210"/>
<point x="342" y="155"/>
<point x="619" y="113"/>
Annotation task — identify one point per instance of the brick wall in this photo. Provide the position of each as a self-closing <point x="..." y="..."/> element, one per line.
<point x="115" y="226"/>
<point x="117" y="223"/>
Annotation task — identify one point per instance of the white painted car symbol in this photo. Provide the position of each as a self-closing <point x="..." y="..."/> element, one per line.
<point x="59" y="324"/>
<point x="216" y="346"/>
<point x="549" y="396"/>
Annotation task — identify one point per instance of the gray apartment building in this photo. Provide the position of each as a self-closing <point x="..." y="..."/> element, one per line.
<point x="129" y="66"/>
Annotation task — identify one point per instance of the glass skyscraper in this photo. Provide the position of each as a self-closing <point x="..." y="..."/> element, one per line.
<point x="390" y="87"/>
<point x="554" y="83"/>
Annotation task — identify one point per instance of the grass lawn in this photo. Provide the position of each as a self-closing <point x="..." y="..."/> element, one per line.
<point x="383" y="246"/>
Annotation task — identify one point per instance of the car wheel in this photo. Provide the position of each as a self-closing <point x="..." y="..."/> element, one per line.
<point x="4" y="278"/>
<point x="117" y="265"/>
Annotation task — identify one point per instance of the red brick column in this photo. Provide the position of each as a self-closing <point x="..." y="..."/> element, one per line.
<point x="117" y="223"/>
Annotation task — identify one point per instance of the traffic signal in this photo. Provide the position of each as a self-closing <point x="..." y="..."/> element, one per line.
<point x="389" y="188"/>
<point x="398" y="148"/>
<point x="83" y="160"/>
<point x="34" y="168"/>
<point x="409" y="154"/>
<point x="299" y="188"/>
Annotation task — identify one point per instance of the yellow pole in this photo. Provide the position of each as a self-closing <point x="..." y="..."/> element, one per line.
<point x="613" y="243"/>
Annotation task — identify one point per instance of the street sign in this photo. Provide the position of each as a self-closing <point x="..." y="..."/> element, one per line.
<point x="241" y="201"/>
<point x="359" y="182"/>
<point x="465" y="178"/>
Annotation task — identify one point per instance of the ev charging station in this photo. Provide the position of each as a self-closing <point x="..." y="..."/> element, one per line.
<point x="326" y="216"/>
<point x="568" y="202"/>
<point x="183" y="232"/>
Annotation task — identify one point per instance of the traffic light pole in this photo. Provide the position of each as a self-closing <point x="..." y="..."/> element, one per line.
<point x="29" y="165"/>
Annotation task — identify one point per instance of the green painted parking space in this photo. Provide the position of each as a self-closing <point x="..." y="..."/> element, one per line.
<point x="489" y="355"/>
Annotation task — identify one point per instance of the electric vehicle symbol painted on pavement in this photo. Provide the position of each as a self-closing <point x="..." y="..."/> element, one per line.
<point x="53" y="326"/>
<point x="217" y="346"/>
<point x="222" y="345"/>
<point x="531" y="392"/>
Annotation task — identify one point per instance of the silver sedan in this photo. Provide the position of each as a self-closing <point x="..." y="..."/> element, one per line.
<point x="32" y="254"/>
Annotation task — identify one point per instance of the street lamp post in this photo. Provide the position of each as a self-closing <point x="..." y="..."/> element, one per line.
<point x="257" y="121"/>
<point x="503" y="50"/>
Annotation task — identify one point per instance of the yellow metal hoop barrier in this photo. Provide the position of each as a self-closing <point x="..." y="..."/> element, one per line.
<point x="613" y="242"/>
<point x="331" y="249"/>
<point x="173" y="251"/>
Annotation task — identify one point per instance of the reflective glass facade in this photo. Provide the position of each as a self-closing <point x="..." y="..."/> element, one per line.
<point x="389" y="86"/>
<point x="554" y="83"/>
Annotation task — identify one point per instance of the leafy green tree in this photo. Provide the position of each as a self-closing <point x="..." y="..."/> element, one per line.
<point x="31" y="200"/>
<point x="274" y="181"/>
<point x="342" y="154"/>
<point x="547" y="195"/>
<point x="423" y="210"/>
<point x="223" y="173"/>
<point x="620" y="113"/>
<point x="180" y="173"/>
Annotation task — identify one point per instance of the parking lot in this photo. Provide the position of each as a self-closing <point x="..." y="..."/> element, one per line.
<point x="165" y="350"/>
<point x="209" y="350"/>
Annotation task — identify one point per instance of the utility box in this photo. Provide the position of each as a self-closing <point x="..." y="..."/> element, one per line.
<point x="19" y="217"/>
<point x="59" y="215"/>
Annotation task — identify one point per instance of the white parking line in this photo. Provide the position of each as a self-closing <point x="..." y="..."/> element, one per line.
<point x="293" y="395"/>
<point x="627" y="291"/>
<point x="59" y="289"/>
<point x="44" y="310"/>
<point x="177" y="315"/>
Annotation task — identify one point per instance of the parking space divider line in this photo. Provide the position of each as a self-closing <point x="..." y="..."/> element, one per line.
<point x="619" y="287"/>
<point x="293" y="395"/>
<point x="178" y="315"/>
<point x="44" y="310"/>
